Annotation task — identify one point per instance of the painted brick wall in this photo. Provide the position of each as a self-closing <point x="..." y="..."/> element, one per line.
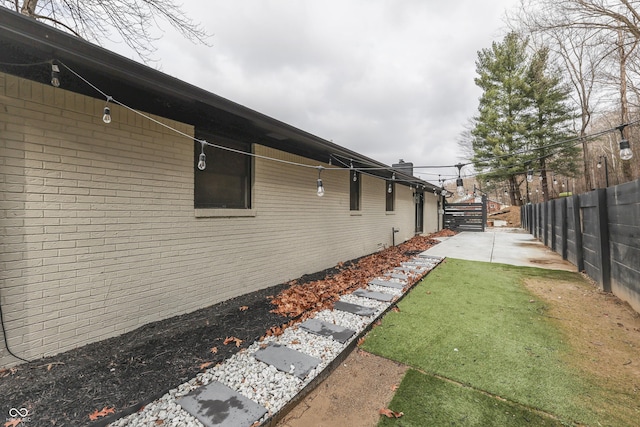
<point x="99" y="234"/>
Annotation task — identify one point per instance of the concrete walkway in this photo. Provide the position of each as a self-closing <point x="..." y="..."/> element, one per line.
<point x="502" y="245"/>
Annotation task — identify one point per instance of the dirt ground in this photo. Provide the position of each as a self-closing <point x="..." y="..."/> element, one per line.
<point x="351" y="396"/>
<point x="604" y="334"/>
<point x="603" y="331"/>
<point x="510" y="214"/>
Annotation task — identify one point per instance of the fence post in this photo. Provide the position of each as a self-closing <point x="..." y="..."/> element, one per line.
<point x="603" y="238"/>
<point x="565" y="228"/>
<point x="577" y="220"/>
<point x="552" y="207"/>
<point x="484" y="211"/>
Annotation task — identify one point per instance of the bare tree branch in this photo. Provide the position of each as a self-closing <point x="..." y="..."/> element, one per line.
<point x="136" y="22"/>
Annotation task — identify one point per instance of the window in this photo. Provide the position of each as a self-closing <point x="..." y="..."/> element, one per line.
<point x="390" y="192"/>
<point x="226" y="181"/>
<point x="354" y="190"/>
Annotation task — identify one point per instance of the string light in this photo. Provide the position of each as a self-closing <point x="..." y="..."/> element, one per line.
<point x="55" y="75"/>
<point x="530" y="175"/>
<point x="320" y="191"/>
<point x="390" y="189"/>
<point x="459" y="182"/>
<point x="202" y="159"/>
<point x="106" y="117"/>
<point x="625" y="149"/>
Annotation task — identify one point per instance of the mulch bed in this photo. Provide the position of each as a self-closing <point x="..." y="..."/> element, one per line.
<point x="128" y="371"/>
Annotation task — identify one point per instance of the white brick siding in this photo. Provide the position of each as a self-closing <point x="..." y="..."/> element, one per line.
<point x="100" y="236"/>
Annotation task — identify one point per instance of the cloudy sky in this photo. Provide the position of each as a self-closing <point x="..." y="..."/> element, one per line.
<point x="390" y="79"/>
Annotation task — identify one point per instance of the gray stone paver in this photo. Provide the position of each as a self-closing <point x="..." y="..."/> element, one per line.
<point x="318" y="327"/>
<point x="379" y="296"/>
<point x="215" y="404"/>
<point x="360" y="310"/>
<point x="287" y="360"/>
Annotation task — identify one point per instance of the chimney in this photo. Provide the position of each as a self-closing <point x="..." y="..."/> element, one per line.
<point x="404" y="167"/>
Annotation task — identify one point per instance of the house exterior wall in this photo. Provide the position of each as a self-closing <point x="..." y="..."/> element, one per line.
<point x="100" y="235"/>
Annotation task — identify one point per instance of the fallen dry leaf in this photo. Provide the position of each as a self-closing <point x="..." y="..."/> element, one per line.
<point x="244" y="308"/>
<point x="13" y="422"/>
<point x="228" y="340"/>
<point x="102" y="413"/>
<point x="321" y="294"/>
<point x="205" y="365"/>
<point x="159" y="422"/>
<point x="395" y="309"/>
<point x="360" y="341"/>
<point x="213" y="350"/>
<point x="295" y="342"/>
<point x="389" y="413"/>
<point x="394" y="387"/>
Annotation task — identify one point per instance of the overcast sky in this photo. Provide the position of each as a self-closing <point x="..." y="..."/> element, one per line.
<point x="391" y="79"/>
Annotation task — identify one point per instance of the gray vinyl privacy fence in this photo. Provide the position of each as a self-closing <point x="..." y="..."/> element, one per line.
<point x="598" y="232"/>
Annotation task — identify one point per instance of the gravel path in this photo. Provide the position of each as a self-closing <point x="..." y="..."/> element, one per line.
<point x="263" y="383"/>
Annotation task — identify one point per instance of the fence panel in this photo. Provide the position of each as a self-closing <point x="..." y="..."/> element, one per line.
<point x="574" y="232"/>
<point x="560" y="227"/>
<point x="595" y="242"/>
<point x="624" y="230"/>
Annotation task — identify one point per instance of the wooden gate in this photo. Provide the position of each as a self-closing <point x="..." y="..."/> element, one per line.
<point x="466" y="216"/>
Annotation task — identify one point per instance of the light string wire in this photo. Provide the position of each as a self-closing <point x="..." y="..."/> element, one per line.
<point x="186" y="135"/>
<point x="362" y="171"/>
<point x="359" y="169"/>
<point x="578" y="139"/>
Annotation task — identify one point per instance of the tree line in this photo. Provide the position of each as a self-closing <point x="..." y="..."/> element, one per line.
<point x="559" y="93"/>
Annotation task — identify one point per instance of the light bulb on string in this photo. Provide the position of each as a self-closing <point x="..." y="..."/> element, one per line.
<point x="355" y="176"/>
<point x="106" y="113"/>
<point x="625" y="150"/>
<point x="55" y="75"/>
<point x="202" y="158"/>
<point x="529" y="175"/>
<point x="106" y="117"/>
<point x="459" y="182"/>
<point x="460" y="187"/>
<point x="389" y="189"/>
<point x="320" y="191"/>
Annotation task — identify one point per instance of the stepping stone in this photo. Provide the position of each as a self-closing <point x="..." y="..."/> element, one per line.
<point x="387" y="283"/>
<point x="397" y="276"/>
<point x="415" y="265"/>
<point x="406" y="269"/>
<point x="360" y="310"/>
<point x="287" y="360"/>
<point x="431" y="258"/>
<point x="215" y="404"/>
<point x="325" y="329"/>
<point x="373" y="295"/>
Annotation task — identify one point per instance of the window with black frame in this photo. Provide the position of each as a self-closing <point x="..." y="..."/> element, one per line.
<point x="225" y="182"/>
<point x="390" y="192"/>
<point x="354" y="190"/>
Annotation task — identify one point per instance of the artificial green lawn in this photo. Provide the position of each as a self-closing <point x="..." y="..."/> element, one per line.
<point x="476" y="324"/>
<point x="429" y="401"/>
